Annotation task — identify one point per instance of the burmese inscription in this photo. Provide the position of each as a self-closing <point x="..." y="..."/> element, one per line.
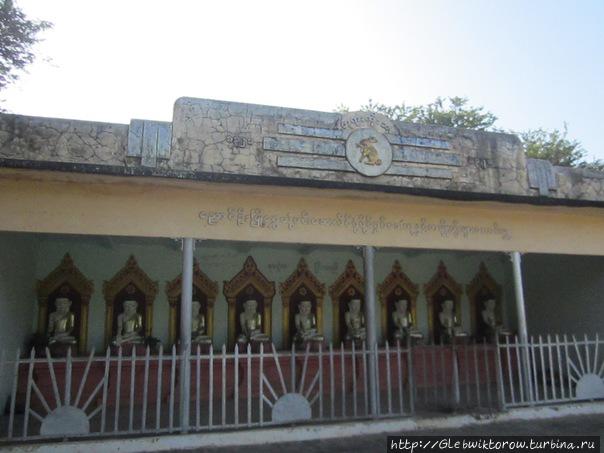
<point x="356" y="223"/>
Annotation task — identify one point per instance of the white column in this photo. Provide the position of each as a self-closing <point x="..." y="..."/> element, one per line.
<point x="370" y="324"/>
<point x="519" y="290"/>
<point x="521" y="315"/>
<point x="185" y="330"/>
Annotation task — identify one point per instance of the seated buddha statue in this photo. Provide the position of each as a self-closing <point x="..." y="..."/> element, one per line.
<point x="403" y="322"/>
<point x="449" y="323"/>
<point x="489" y="319"/>
<point x="61" y="323"/>
<point x="355" y="321"/>
<point x="251" y="323"/>
<point x="306" y="324"/>
<point x="198" y="325"/>
<point x="129" y="325"/>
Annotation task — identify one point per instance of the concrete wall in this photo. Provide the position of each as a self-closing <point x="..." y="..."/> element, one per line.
<point x="564" y="294"/>
<point x="17" y="299"/>
<point x="100" y="258"/>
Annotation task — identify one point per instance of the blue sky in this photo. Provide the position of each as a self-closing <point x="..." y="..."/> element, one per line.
<point x="532" y="63"/>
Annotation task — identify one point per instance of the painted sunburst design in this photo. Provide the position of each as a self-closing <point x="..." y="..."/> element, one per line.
<point x="587" y="371"/>
<point x="69" y="414"/>
<point x="291" y="401"/>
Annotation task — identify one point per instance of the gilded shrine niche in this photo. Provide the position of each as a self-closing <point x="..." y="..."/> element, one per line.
<point x="349" y="286"/>
<point x="70" y="288"/>
<point x="130" y="283"/>
<point x="483" y="288"/>
<point x="301" y="286"/>
<point x="249" y="285"/>
<point x="441" y="291"/>
<point x="205" y="292"/>
<point x="396" y="289"/>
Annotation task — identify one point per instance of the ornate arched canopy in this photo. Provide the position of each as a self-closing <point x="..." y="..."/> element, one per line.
<point x="482" y="287"/>
<point x="129" y="282"/>
<point x="349" y="285"/>
<point x="395" y="286"/>
<point x="441" y="286"/>
<point x="300" y="285"/>
<point x="204" y="289"/>
<point x="249" y="282"/>
<point x="66" y="280"/>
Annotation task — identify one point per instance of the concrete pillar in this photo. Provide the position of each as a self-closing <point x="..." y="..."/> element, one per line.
<point x="185" y="331"/>
<point x="371" y="324"/>
<point x="519" y="290"/>
<point x="521" y="315"/>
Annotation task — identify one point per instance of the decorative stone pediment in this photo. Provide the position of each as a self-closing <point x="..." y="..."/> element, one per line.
<point x="349" y="278"/>
<point x="249" y="275"/>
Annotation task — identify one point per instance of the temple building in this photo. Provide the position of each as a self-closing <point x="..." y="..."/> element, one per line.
<point x="246" y="265"/>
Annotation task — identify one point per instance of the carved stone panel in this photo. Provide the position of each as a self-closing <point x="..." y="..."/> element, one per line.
<point x="66" y="280"/>
<point x="249" y="283"/>
<point x="300" y="285"/>
<point x="349" y="285"/>
<point x="205" y="291"/>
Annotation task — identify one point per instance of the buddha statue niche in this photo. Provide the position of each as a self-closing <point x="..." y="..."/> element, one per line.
<point x="251" y="323"/>
<point x="198" y="325"/>
<point x="61" y="323"/>
<point x="404" y="323"/>
<point x="129" y="325"/>
<point x="489" y="318"/>
<point x="355" y="321"/>
<point x="449" y="323"/>
<point x="306" y="324"/>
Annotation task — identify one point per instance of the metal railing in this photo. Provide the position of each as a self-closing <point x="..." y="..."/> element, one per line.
<point x="550" y="370"/>
<point x="133" y="391"/>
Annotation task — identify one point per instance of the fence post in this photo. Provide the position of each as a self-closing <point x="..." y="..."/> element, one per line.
<point x="455" y="378"/>
<point x="499" y="374"/>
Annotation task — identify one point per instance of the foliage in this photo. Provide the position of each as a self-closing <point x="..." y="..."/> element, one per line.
<point x="554" y="146"/>
<point x="452" y="112"/>
<point x="17" y="36"/>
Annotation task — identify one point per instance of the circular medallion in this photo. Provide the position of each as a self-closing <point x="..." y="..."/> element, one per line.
<point x="368" y="152"/>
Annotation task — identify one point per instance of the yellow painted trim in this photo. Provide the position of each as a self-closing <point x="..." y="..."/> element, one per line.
<point x="55" y="202"/>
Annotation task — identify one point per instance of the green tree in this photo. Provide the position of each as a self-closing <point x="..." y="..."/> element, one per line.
<point x="17" y="36"/>
<point x="453" y="112"/>
<point x="554" y="146"/>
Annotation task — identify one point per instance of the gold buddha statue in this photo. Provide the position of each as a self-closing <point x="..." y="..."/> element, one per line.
<point x="61" y="323"/>
<point x="129" y="325"/>
<point x="450" y="325"/>
<point x="306" y="324"/>
<point x="198" y="325"/>
<point x="403" y="322"/>
<point x="251" y="323"/>
<point x="355" y="321"/>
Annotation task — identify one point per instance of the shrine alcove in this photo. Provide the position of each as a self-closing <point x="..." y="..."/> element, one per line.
<point x="396" y="286"/>
<point x="301" y="285"/>
<point x="348" y="286"/>
<point x="129" y="283"/>
<point x="441" y="287"/>
<point x="483" y="287"/>
<point x="248" y="284"/>
<point x="66" y="281"/>
<point x="205" y="292"/>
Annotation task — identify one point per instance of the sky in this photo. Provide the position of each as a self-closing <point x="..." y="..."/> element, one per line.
<point x="537" y="63"/>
